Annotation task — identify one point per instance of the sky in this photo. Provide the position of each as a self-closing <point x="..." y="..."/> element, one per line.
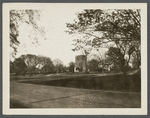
<point x="55" y="43"/>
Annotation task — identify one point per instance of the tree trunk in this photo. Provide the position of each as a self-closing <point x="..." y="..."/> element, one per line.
<point x="128" y="60"/>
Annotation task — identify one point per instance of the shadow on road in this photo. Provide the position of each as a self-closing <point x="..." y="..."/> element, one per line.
<point x="17" y="104"/>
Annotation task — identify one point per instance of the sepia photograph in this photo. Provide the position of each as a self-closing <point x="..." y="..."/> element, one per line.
<point x="86" y="57"/>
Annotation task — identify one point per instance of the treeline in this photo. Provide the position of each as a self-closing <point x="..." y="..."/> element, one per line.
<point x="114" y="61"/>
<point x="33" y="64"/>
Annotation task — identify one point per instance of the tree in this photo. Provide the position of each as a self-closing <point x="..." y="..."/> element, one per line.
<point x="116" y="57"/>
<point x="20" y="16"/>
<point x="11" y="67"/>
<point x="112" y="24"/>
<point x="64" y="69"/>
<point x="93" y="64"/>
<point x="108" y="28"/>
<point x="136" y="60"/>
<point x="32" y="62"/>
<point x="48" y="66"/>
<point x="38" y="62"/>
<point x="71" y="66"/>
<point x="58" y="65"/>
<point x="19" y="66"/>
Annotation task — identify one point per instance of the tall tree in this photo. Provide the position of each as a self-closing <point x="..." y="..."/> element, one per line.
<point x="93" y="64"/>
<point x="58" y="65"/>
<point x="48" y="66"/>
<point x="108" y="28"/>
<point x="71" y="66"/>
<point x="38" y="62"/>
<point x="29" y="17"/>
<point x="19" y="66"/>
<point x="11" y="67"/>
<point x="115" y="56"/>
<point x="32" y="61"/>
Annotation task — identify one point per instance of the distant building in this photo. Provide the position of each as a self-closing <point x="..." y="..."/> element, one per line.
<point x="80" y="63"/>
<point x="106" y="66"/>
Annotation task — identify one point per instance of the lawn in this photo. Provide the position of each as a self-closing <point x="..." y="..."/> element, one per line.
<point x="127" y="83"/>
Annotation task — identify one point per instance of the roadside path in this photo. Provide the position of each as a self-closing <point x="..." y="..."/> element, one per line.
<point x="40" y="96"/>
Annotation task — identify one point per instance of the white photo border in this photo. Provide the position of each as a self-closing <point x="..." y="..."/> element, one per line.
<point x="70" y="111"/>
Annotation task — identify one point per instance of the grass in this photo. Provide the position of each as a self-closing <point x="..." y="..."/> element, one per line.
<point x="127" y="83"/>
